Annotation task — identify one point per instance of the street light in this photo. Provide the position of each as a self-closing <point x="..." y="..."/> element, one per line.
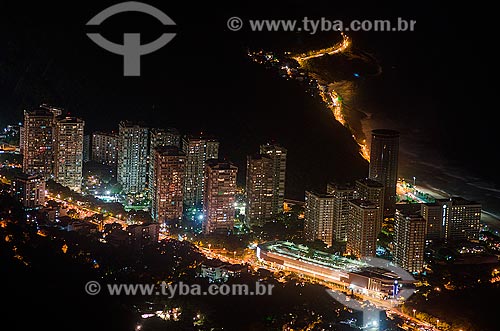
<point x="414" y="310"/>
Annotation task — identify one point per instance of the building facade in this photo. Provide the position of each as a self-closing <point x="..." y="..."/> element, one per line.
<point x="373" y="191"/>
<point x="341" y="194"/>
<point x="105" y="148"/>
<point x="259" y="189"/>
<point x="277" y="154"/>
<point x="361" y="228"/>
<point x="68" y="152"/>
<point x="220" y="196"/>
<point x="160" y="138"/>
<point x="132" y="157"/>
<point x="452" y="219"/>
<point x="29" y="190"/>
<point x="198" y="150"/>
<point x="141" y="235"/>
<point x="38" y="136"/>
<point x="167" y="185"/>
<point x="318" y="217"/>
<point x="384" y="153"/>
<point x="87" y="150"/>
<point x="409" y="241"/>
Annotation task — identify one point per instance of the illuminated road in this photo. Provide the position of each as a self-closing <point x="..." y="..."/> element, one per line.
<point x="86" y="212"/>
<point x="337" y="48"/>
<point x="330" y="97"/>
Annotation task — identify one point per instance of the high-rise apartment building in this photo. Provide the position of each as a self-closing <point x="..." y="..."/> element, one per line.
<point x="452" y="219"/>
<point x="167" y="185"/>
<point x="105" y="148"/>
<point x="38" y="157"/>
<point x="159" y="138"/>
<point x="318" y="217"/>
<point x="409" y="240"/>
<point x="278" y="156"/>
<point x="68" y="152"/>
<point x="341" y="194"/>
<point x="383" y="168"/>
<point x="198" y="150"/>
<point x="29" y="190"/>
<point x="361" y="228"/>
<point x="132" y="157"/>
<point x="373" y="191"/>
<point x="220" y="195"/>
<point x="259" y="189"/>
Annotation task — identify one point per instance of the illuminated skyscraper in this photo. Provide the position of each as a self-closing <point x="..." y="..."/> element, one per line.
<point x="159" y="138"/>
<point x="105" y="148"/>
<point x="167" y="184"/>
<point x="132" y="157"/>
<point x="68" y="152"/>
<point x="452" y="219"/>
<point x="198" y="150"/>
<point x="409" y="240"/>
<point x="318" y="217"/>
<point x="361" y="228"/>
<point x="278" y="156"/>
<point x="384" y="164"/>
<point x="220" y="195"/>
<point x="259" y="189"/>
<point x="341" y="194"/>
<point x="29" y="190"/>
<point x="38" y="156"/>
<point x="372" y="191"/>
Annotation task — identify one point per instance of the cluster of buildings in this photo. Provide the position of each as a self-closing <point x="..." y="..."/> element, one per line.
<point x="52" y="146"/>
<point x="353" y="213"/>
<point x="180" y="175"/>
<point x="184" y="177"/>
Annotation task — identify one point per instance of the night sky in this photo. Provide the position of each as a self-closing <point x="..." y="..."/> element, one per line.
<point x="436" y="80"/>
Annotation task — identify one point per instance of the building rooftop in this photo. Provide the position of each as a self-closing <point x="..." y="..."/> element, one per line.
<point x="169" y="151"/>
<point x="69" y="120"/>
<point x="341" y="186"/>
<point x="306" y="254"/>
<point x="385" y="133"/>
<point x="409" y="209"/>
<point x="259" y="156"/>
<point x="109" y="134"/>
<point x="456" y="201"/>
<point x="367" y="204"/>
<point x="221" y="165"/>
<point x="131" y="124"/>
<point x="201" y="136"/>
<point x="40" y="112"/>
<point x="459" y="201"/>
<point x="369" y="182"/>
<point x="320" y="195"/>
<point x="273" y="146"/>
<point x="165" y="130"/>
<point x="379" y="273"/>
